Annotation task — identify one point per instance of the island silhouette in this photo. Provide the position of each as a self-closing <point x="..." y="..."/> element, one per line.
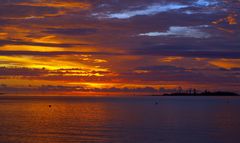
<point x="208" y="93"/>
<point x="195" y="92"/>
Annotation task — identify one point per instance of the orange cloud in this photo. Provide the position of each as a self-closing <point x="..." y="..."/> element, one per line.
<point x="58" y="4"/>
<point x="231" y="19"/>
<point x="170" y="59"/>
<point x="226" y="63"/>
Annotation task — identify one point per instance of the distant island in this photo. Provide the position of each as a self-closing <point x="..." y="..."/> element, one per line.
<point x="218" y="93"/>
<point x="205" y="93"/>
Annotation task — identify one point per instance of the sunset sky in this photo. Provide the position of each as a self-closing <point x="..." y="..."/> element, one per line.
<point x="142" y="46"/>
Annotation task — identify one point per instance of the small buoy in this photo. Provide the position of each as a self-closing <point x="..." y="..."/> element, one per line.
<point x="156" y="103"/>
<point x="49" y="106"/>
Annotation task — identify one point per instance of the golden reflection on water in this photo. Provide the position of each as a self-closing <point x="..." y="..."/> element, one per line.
<point x="40" y="123"/>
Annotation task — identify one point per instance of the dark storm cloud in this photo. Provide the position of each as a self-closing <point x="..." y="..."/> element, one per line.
<point x="174" y="73"/>
<point x="29" y="43"/>
<point x="235" y="69"/>
<point x="161" y="68"/>
<point x="71" y="31"/>
<point x="201" y="51"/>
<point x="3" y="22"/>
<point x="20" y="11"/>
<point x="231" y="69"/>
<point x="28" y="9"/>
<point x="4" y="71"/>
<point x="196" y="54"/>
<point x="149" y="52"/>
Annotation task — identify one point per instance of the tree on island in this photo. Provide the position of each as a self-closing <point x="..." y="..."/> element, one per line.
<point x="194" y="92"/>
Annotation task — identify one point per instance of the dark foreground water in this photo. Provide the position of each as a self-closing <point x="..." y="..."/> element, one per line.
<point x="120" y="119"/>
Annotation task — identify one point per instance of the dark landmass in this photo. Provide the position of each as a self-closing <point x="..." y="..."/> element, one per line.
<point x="206" y="93"/>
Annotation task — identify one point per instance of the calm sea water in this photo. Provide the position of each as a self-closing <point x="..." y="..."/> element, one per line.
<point x="120" y="119"/>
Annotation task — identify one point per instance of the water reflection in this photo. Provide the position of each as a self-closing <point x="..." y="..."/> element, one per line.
<point x="138" y="119"/>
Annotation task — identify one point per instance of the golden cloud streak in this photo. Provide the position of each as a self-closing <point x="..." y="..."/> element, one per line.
<point x="58" y="4"/>
<point x="226" y="63"/>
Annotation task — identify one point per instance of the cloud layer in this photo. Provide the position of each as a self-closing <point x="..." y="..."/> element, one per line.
<point x="127" y="45"/>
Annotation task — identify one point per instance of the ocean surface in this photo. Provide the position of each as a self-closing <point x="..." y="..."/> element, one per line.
<point x="120" y="119"/>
